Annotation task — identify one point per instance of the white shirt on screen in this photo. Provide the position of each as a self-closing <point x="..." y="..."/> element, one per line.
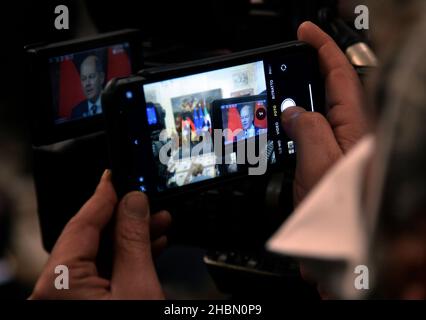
<point x="98" y="107"/>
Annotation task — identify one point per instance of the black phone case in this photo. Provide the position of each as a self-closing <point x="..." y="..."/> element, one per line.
<point x="116" y="124"/>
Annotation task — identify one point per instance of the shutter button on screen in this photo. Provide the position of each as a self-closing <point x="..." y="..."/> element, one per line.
<point x="287" y="103"/>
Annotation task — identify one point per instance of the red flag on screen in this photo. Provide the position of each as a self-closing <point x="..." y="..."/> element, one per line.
<point x="70" y="91"/>
<point x="234" y="122"/>
<point x="118" y="63"/>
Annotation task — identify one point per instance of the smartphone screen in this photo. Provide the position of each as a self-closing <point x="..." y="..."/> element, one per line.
<point x="218" y="119"/>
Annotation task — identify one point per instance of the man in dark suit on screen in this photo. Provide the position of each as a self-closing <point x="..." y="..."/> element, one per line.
<point x="92" y="79"/>
<point x="249" y="130"/>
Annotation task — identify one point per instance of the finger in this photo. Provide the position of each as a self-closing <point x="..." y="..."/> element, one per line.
<point x="346" y="98"/>
<point x="343" y="88"/>
<point x="134" y="275"/>
<point x="159" y="224"/>
<point x="159" y="245"/>
<point x="80" y="238"/>
<point x="312" y="134"/>
<point x="316" y="144"/>
<point x="330" y="55"/>
<point x="287" y="118"/>
<point x="336" y="68"/>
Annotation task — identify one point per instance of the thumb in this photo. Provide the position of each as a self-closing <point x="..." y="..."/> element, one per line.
<point x="316" y="146"/>
<point x="134" y="275"/>
<point x="310" y="131"/>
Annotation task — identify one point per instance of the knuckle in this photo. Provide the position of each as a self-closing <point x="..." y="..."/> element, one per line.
<point x="337" y="74"/>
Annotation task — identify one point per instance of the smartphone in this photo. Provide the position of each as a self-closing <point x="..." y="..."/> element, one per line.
<point x="185" y="127"/>
<point x="65" y="80"/>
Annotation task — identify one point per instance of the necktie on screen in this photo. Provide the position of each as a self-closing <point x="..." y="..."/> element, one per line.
<point x="93" y="109"/>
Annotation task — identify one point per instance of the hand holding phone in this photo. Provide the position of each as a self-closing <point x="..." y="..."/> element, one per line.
<point x="326" y="139"/>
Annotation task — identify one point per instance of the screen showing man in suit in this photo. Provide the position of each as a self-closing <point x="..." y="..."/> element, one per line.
<point x="188" y="129"/>
<point x="92" y="77"/>
<point x="77" y="80"/>
<point x="247" y="116"/>
<point x="244" y="120"/>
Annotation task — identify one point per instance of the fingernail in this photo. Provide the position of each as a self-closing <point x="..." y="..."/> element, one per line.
<point x="135" y="205"/>
<point x="106" y="175"/>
